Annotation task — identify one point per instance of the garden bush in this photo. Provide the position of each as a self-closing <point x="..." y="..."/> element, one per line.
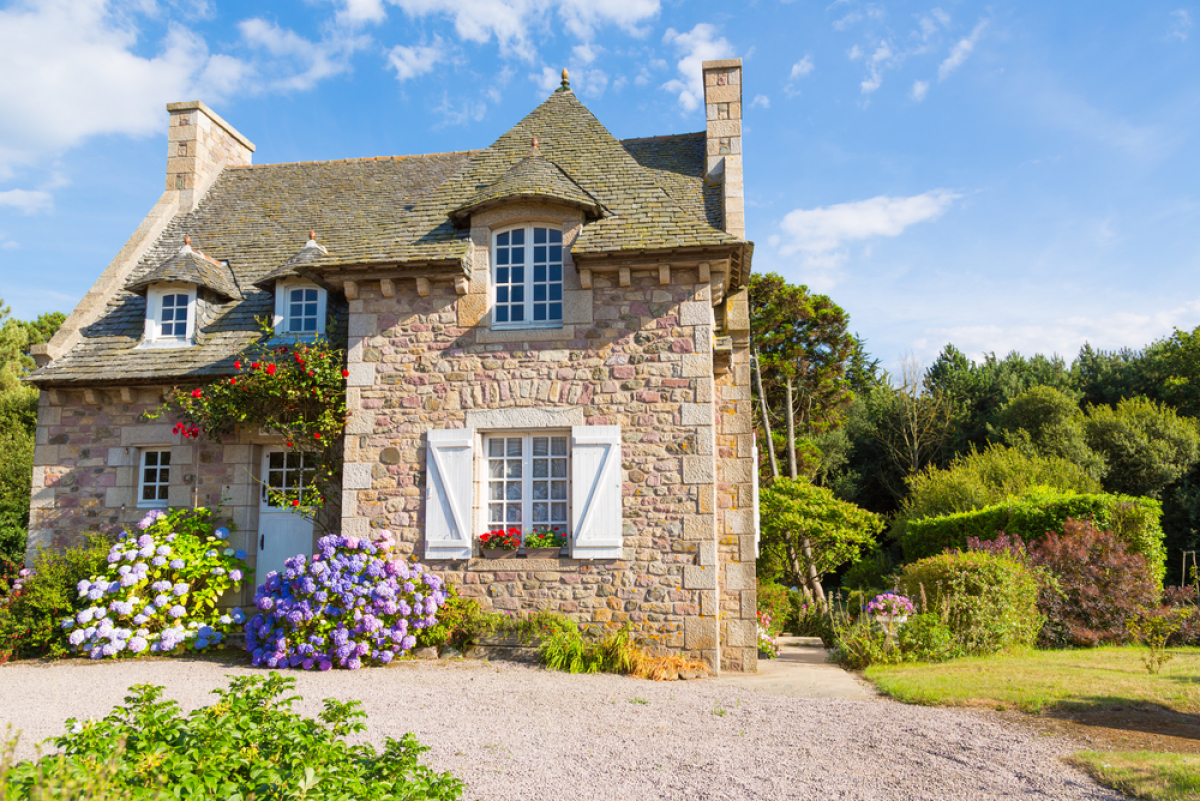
<point x="1133" y="520"/>
<point x="1097" y="587"/>
<point x="1184" y="599"/>
<point x="355" y="603"/>
<point x="926" y="637"/>
<point x="989" y="602"/>
<point x="247" y="745"/>
<point x="31" y="619"/>
<point x="874" y="571"/>
<point x="461" y="622"/>
<point x="775" y="601"/>
<point x="160" y="592"/>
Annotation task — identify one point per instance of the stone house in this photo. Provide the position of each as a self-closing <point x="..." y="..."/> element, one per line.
<point x="551" y="330"/>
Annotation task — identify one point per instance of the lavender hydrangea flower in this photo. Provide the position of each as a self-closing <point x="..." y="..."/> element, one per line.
<point x="158" y="561"/>
<point x="177" y="611"/>
<point x="180" y="589"/>
<point x="176" y="564"/>
<point x="137" y="644"/>
<point x="235" y="574"/>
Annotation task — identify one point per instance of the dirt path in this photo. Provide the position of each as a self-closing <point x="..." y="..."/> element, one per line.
<point x="518" y="732"/>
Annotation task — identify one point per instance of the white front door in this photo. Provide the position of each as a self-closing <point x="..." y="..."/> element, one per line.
<point x="281" y="533"/>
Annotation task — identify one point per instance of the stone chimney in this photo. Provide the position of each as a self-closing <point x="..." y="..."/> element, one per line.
<point x="723" y="104"/>
<point x="199" y="145"/>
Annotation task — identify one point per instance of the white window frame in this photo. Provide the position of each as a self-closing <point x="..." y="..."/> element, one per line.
<point x="154" y="300"/>
<point x="283" y="321"/>
<point x="153" y="503"/>
<point x="528" y="283"/>
<point x="527" y="524"/>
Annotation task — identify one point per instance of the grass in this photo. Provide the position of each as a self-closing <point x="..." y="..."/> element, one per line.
<point x="1082" y="680"/>
<point x="1034" y="681"/>
<point x="1145" y="774"/>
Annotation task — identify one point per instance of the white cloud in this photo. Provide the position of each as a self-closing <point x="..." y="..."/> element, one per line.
<point x="919" y="90"/>
<point x="27" y="200"/>
<point x="298" y="64"/>
<point x="584" y="81"/>
<point x="802" y="68"/>
<point x="1181" y="25"/>
<point x="760" y="101"/>
<point x="876" y="64"/>
<point x="460" y="113"/>
<point x="854" y="53"/>
<point x="961" y="51"/>
<point x="823" y="230"/>
<point x="1063" y="336"/>
<point x="696" y="46"/>
<point x="410" y="62"/>
<point x="846" y="21"/>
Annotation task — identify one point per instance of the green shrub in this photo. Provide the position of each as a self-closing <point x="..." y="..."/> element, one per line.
<point x="774" y="600"/>
<point x="461" y="623"/>
<point x="927" y="638"/>
<point x="988" y="601"/>
<point x="872" y="571"/>
<point x="1134" y="520"/>
<point x="566" y="649"/>
<point x="249" y="744"/>
<point x="31" y="623"/>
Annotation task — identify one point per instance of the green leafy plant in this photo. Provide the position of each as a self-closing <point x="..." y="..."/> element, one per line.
<point x="926" y="638"/>
<point x="545" y="537"/>
<point x="501" y="539"/>
<point x="1153" y="628"/>
<point x="294" y="391"/>
<point x="247" y="745"/>
<point x="775" y="601"/>
<point x="461" y="623"/>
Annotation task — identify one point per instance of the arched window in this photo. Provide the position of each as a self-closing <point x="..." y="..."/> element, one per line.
<point x="299" y="309"/>
<point x="527" y="277"/>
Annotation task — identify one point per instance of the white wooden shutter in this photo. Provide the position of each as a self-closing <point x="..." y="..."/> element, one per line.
<point x="754" y="473"/>
<point x="449" y="477"/>
<point x="596" y="492"/>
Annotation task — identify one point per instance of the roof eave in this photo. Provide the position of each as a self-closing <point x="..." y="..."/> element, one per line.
<point x="592" y="210"/>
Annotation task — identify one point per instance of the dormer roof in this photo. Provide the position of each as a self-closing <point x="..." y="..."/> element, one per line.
<point x="291" y="268"/>
<point x="532" y="178"/>
<point x="188" y="266"/>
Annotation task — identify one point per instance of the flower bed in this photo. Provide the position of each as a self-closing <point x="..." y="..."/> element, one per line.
<point x="161" y="590"/>
<point x="354" y="603"/>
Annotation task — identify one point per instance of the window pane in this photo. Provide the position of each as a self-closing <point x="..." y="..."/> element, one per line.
<point x="512" y="470"/>
<point x="541" y="490"/>
<point x="513" y="492"/>
<point x="559" y="511"/>
<point x="555" y="236"/>
<point x="514" y="513"/>
<point x="164" y="458"/>
<point x="148" y="492"/>
<point x="495" y="447"/>
<point x="496" y="513"/>
<point x="541" y="446"/>
<point x="558" y="490"/>
<point x="518" y="236"/>
<point x="558" y="446"/>
<point x="541" y="468"/>
<point x="541" y="513"/>
<point x="162" y="492"/>
<point x="151" y="458"/>
<point x="495" y="491"/>
<point x="539" y="235"/>
<point x="558" y="468"/>
<point x="496" y="468"/>
<point x="514" y="446"/>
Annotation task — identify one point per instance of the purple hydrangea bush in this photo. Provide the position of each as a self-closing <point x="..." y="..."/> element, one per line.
<point x="354" y="603"/>
<point x="161" y="590"/>
<point x="890" y="603"/>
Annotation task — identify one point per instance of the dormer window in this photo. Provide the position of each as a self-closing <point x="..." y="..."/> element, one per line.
<point x="170" y="315"/>
<point x="527" y="277"/>
<point x="299" y="309"/>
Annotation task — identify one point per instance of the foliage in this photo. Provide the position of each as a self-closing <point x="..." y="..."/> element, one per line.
<point x="296" y="392"/>
<point x="809" y="619"/>
<point x="18" y="422"/>
<point x="980" y="479"/>
<point x="768" y="646"/>
<point x="794" y="510"/>
<point x="249" y="744"/>
<point x="927" y="638"/>
<point x="1184" y="599"/>
<point x="1047" y="421"/>
<point x="1146" y="445"/>
<point x="873" y="571"/>
<point x="501" y="539"/>
<point x="1153" y="628"/>
<point x="1170" y="372"/>
<point x="545" y="537"/>
<point x="890" y="604"/>
<point x="461" y="622"/>
<point x="989" y="602"/>
<point x="160" y="592"/>
<point x="567" y="648"/>
<point x="1030" y="516"/>
<point x="1097" y="587"/>
<point x="774" y="600"/>
<point x="31" y="623"/>
<point x="16" y="338"/>
<point x="1148" y="775"/>
<point x="354" y="603"/>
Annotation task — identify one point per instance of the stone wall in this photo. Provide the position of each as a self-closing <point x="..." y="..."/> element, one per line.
<point x="639" y="356"/>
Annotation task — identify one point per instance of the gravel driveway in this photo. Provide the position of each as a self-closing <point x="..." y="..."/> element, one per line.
<point x="517" y="732"/>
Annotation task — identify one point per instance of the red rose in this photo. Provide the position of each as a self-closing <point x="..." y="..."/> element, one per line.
<point x="345" y="374"/>
<point x="196" y="393"/>
<point x="233" y="381"/>
<point x="270" y="369"/>
<point x="237" y="365"/>
<point x="295" y="502"/>
<point x="289" y="444"/>
<point x="317" y="435"/>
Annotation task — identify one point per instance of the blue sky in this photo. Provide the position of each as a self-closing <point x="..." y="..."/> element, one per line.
<point x="1011" y="175"/>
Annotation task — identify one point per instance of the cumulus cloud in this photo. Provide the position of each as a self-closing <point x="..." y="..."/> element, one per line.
<point x="876" y="64"/>
<point x="802" y="68"/>
<point x="413" y="61"/>
<point x="919" y="90"/>
<point x="27" y="200"/>
<point x="760" y="101"/>
<point x="961" y="51"/>
<point x="694" y="47"/>
<point x="826" y="229"/>
<point x="297" y="63"/>
<point x="1181" y="25"/>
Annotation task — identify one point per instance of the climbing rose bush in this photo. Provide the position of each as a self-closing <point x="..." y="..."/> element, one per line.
<point x="354" y="603"/>
<point x="161" y="590"/>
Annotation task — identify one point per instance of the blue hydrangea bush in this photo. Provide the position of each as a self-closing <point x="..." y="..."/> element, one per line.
<point x="354" y="603"/>
<point x="160" y="593"/>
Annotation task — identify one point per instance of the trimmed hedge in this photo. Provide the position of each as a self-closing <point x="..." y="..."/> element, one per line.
<point x="1134" y="520"/>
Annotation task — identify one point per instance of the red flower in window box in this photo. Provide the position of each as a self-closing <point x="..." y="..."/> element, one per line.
<point x="501" y="539"/>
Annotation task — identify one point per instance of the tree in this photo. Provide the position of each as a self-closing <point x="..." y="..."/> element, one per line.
<point x="1047" y="421"/>
<point x="1147" y="445"/>
<point x="795" y="512"/>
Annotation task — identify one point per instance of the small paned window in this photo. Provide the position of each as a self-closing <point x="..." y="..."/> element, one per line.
<point x="528" y="279"/>
<point x="528" y="481"/>
<point x="302" y="310"/>
<point x="173" y="318"/>
<point x="155" y="477"/>
<point x="287" y="474"/>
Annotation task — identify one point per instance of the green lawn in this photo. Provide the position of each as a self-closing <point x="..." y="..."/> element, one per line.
<point x="1036" y="680"/>
<point x="1145" y="774"/>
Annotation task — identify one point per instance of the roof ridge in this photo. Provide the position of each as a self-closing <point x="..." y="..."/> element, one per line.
<point x="662" y="136"/>
<point x="353" y="160"/>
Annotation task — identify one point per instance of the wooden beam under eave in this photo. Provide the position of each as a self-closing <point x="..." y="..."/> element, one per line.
<point x="350" y="290"/>
<point x="422" y="286"/>
<point x="388" y="287"/>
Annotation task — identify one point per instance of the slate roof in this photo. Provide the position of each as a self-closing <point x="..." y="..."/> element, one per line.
<point x="534" y="178"/>
<point x="651" y="192"/>
<point x="189" y="267"/>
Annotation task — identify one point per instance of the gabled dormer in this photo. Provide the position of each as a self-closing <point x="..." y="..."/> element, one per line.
<point x="174" y="292"/>
<point x="533" y="179"/>
<point x="301" y="304"/>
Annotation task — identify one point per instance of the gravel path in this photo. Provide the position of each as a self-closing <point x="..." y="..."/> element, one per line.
<point x="517" y="732"/>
